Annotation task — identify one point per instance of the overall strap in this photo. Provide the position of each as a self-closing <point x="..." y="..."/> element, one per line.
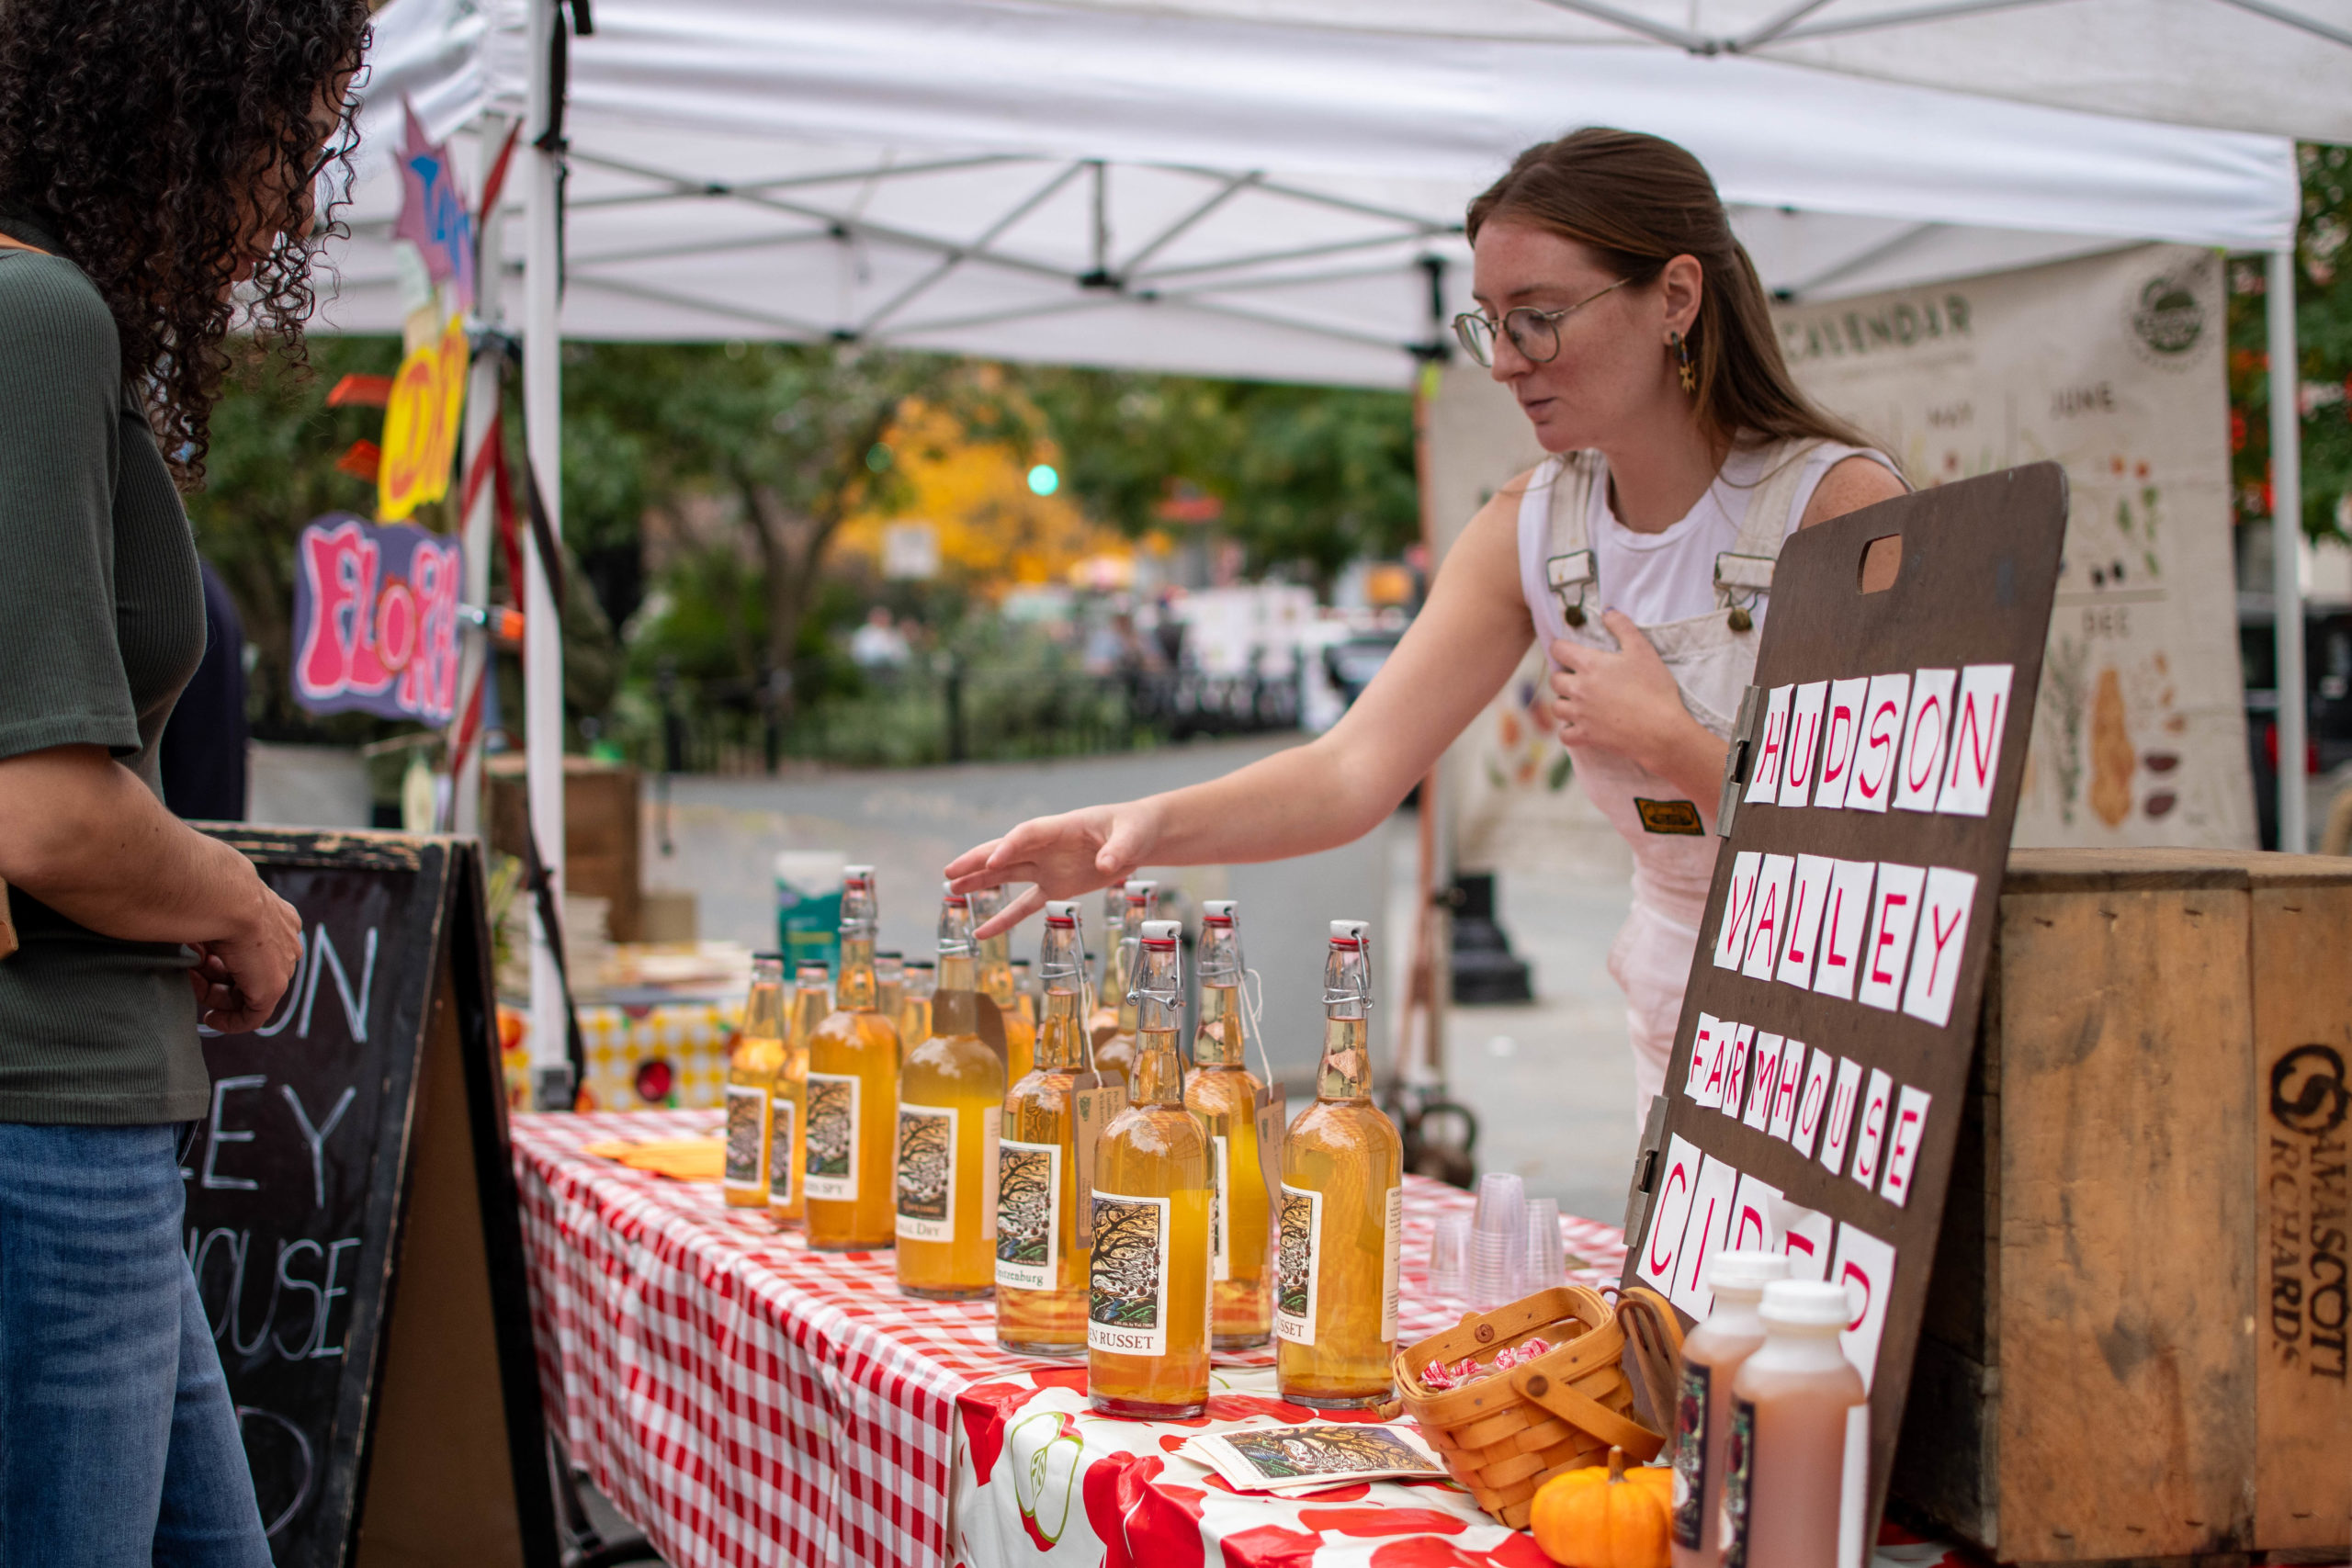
<point x="1570" y="570"/>
<point x="1744" y="572"/>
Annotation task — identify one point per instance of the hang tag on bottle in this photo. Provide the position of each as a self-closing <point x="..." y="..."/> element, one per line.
<point x="1091" y="1111"/>
<point x="1270" y="1105"/>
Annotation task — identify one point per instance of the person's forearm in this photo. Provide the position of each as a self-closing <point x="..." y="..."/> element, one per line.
<point x="1693" y="761"/>
<point x="79" y="833"/>
<point x="1296" y="802"/>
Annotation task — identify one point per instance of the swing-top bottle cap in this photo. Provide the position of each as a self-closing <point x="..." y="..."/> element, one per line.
<point x="1351" y="932"/>
<point x="1062" y="912"/>
<point x="1805" y="1305"/>
<point x="863" y="874"/>
<point x="1160" y="933"/>
<point x="768" y="957"/>
<point x="1141" y="889"/>
<point x="1217" y="909"/>
<point x="948" y="895"/>
<point x="813" y="968"/>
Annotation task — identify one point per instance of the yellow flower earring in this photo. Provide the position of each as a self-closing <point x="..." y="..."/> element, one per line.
<point x="1682" y="367"/>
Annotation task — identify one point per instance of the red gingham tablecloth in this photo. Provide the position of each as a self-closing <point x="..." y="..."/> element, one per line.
<point x="746" y="1400"/>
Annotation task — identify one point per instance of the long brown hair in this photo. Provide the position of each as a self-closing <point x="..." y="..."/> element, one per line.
<point x="1637" y="202"/>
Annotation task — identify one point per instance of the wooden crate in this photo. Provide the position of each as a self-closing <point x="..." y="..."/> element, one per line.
<point x="2134" y="1346"/>
<point x="601" y="834"/>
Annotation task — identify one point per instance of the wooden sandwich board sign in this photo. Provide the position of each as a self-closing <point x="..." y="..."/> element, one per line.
<point x="1813" y="1101"/>
<point x="352" y="1221"/>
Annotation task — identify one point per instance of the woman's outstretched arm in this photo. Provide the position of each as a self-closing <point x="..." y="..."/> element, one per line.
<point x="1456" y="656"/>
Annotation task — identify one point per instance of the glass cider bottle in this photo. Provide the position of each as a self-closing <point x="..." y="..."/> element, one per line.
<point x="951" y="1093"/>
<point x="1114" y="1055"/>
<point x="1102" y="996"/>
<point x="1340" y="1209"/>
<point x="1223" y="1092"/>
<point x="751" y="1078"/>
<point x="1025" y="992"/>
<point x="812" y="999"/>
<point x="1784" y="1458"/>
<point x="889" y="982"/>
<point x="1712" y="1357"/>
<point x="1041" y="1280"/>
<point x="1147" y="1307"/>
<point x="917" y="985"/>
<point x="997" y="983"/>
<point x="852" y="1094"/>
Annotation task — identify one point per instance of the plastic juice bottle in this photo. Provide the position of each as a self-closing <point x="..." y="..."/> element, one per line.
<point x="1223" y="1092"/>
<point x="752" y="1068"/>
<point x="951" y="1093"/>
<point x="1147" y="1307"/>
<point x="1041" y="1282"/>
<point x="912" y="1016"/>
<point x="889" y="981"/>
<point x="812" y="999"/>
<point x="1114" y="1055"/>
<point x="997" y="982"/>
<point x="852" y="1094"/>
<point x="1784" y="1456"/>
<point x="1712" y="1357"/>
<point x="1341" y="1210"/>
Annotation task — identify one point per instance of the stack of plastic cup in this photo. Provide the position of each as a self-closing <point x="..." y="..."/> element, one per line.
<point x="1497" y="1240"/>
<point x="1547" y="1262"/>
<point x="1450" y="1258"/>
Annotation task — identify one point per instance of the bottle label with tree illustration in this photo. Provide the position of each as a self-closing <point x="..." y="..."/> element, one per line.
<point x="746" y="1129"/>
<point x="926" y="1172"/>
<point x="783" y="1158"/>
<point x="832" y="1138"/>
<point x="1127" y="1309"/>
<point x="1298" y="1258"/>
<point x="1028" y="1216"/>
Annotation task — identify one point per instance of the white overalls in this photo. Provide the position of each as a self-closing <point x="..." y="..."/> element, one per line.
<point x="1712" y="657"/>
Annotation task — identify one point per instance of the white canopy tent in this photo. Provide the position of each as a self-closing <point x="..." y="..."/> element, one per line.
<point x="1273" y="189"/>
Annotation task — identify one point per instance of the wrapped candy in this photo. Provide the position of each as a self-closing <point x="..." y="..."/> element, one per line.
<point x="1438" y="1375"/>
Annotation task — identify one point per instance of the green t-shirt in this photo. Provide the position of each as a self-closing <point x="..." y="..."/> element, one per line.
<point x="101" y="623"/>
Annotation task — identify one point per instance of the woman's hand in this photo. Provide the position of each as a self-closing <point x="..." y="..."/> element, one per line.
<point x="239" y="979"/>
<point x="1060" y="857"/>
<point x="1627" y="702"/>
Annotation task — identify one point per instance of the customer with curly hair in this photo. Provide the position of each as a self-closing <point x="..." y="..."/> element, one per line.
<point x="158" y="160"/>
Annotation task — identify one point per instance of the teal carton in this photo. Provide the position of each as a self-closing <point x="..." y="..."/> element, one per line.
<point x="808" y="907"/>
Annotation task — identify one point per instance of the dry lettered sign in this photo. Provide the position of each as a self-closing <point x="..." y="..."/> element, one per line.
<point x="1814" y="1097"/>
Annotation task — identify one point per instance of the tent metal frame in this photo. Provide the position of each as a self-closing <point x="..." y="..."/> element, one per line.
<point x="1790" y="26"/>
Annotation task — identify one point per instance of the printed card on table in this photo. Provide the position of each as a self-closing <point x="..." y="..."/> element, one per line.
<point x="1740" y="910"/>
<point x="1841" y="727"/>
<point x="1894" y="911"/>
<point x="1843" y="919"/>
<point x="1869" y="781"/>
<point x="1903" y="1143"/>
<point x="1703" y="1237"/>
<point x="1974" y="755"/>
<point x="1291" y="1460"/>
<point x="1936" y="954"/>
<point x="1771" y="750"/>
<point x="1925" y="732"/>
<point x="1865" y="1266"/>
<point x="1772" y="917"/>
<point x="1797" y="774"/>
<point x="1677" y="1177"/>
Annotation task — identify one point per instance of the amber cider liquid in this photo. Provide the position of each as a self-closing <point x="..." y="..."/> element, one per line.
<point x="951" y="1094"/>
<point x="1041" y="1269"/>
<point x="789" y="1100"/>
<point x="852" y="1115"/>
<point x="1223" y="1095"/>
<point x="752" y="1068"/>
<point x="1344" y="1149"/>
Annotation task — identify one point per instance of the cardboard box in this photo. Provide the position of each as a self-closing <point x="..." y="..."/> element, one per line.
<point x="2134" y="1345"/>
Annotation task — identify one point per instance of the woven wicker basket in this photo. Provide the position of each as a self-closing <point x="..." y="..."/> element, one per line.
<point x="1504" y="1435"/>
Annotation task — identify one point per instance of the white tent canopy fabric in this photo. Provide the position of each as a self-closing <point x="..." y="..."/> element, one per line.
<point x="1273" y="189"/>
<point x="1215" y="193"/>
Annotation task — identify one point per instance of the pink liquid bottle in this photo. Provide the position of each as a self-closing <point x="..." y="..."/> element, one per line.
<point x="1712" y="1357"/>
<point x="1785" y="1457"/>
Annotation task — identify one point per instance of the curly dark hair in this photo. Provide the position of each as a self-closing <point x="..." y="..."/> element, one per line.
<point x="142" y="135"/>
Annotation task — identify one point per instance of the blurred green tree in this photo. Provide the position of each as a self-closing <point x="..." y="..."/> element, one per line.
<point x="2323" y="342"/>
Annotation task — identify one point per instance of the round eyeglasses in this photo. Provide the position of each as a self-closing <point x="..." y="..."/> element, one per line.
<point x="1535" y="333"/>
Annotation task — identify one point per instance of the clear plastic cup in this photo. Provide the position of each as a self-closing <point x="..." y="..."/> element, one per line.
<point x="1546" y="1259"/>
<point x="1497" y="1241"/>
<point x="1450" y="1258"/>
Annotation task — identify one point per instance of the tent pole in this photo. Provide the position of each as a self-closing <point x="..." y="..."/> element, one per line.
<point x="542" y="628"/>
<point x="2286" y="547"/>
<point x="481" y="402"/>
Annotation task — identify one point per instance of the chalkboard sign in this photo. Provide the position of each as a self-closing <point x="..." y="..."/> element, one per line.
<point x="1814" y="1099"/>
<point x="352" y="1222"/>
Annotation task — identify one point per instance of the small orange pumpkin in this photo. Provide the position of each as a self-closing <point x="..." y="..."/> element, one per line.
<point x="1606" y="1518"/>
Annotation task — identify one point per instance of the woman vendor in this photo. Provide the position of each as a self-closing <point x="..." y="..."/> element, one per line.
<point x="1630" y="325"/>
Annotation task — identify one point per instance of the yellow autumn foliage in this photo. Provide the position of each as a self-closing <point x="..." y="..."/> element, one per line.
<point x="993" y="532"/>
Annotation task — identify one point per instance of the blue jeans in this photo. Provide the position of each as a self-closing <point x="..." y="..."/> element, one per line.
<point x="119" y="1441"/>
